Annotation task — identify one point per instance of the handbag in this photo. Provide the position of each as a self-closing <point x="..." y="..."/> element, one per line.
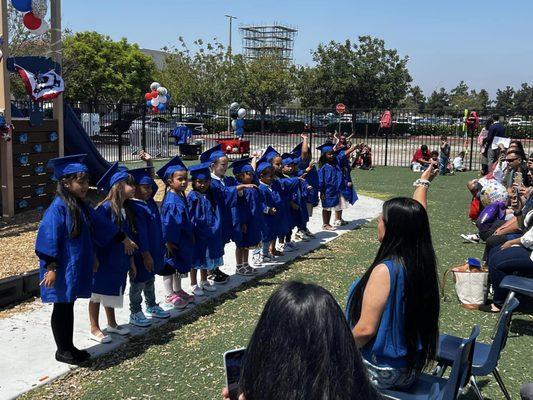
<point x="471" y="284"/>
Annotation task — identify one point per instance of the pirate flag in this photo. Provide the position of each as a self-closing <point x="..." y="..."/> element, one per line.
<point x="41" y="87"/>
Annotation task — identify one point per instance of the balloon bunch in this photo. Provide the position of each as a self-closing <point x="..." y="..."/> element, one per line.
<point x="237" y="115"/>
<point x="158" y="98"/>
<point x="34" y="13"/>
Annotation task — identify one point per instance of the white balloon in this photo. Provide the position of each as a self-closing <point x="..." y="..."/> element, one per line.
<point x="42" y="29"/>
<point x="162" y="91"/>
<point x="234" y="105"/>
<point x="155" y="102"/>
<point x="155" y="85"/>
<point x="241" y="113"/>
<point x="162" y="99"/>
<point x="234" y="123"/>
<point x="39" y="8"/>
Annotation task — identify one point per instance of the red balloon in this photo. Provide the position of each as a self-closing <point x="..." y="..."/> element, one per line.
<point x="31" y="21"/>
<point x="155" y="109"/>
<point x="154" y="94"/>
<point x="148" y="96"/>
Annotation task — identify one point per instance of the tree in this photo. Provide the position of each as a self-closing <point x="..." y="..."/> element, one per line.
<point x="266" y="82"/>
<point x="460" y="98"/>
<point x="307" y="87"/>
<point x="523" y="99"/>
<point x="364" y="74"/>
<point x="438" y="102"/>
<point x="96" y="68"/>
<point x="201" y="78"/>
<point x="483" y="100"/>
<point x="505" y="100"/>
<point x="415" y="100"/>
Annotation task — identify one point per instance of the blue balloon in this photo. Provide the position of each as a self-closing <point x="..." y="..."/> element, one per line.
<point x="22" y="5"/>
<point x="240" y="123"/>
<point x="239" y="132"/>
<point x="149" y="103"/>
<point x="161" y="107"/>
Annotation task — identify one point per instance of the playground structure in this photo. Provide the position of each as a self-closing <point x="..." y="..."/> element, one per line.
<point x="264" y="39"/>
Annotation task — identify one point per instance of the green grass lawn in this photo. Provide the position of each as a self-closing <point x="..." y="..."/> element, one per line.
<point x="183" y="360"/>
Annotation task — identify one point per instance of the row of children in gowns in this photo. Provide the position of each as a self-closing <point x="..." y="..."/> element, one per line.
<point x="88" y="253"/>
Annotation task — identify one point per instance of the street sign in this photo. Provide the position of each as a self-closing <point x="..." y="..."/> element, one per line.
<point x="341" y="108"/>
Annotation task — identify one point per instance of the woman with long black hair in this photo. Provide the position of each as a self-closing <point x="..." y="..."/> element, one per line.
<point x="302" y="349"/>
<point x="394" y="312"/>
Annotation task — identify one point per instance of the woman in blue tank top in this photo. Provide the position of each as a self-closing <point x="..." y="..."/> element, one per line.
<point x="394" y="312"/>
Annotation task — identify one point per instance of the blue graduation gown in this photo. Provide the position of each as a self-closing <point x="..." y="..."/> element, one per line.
<point x="251" y="207"/>
<point x="149" y="237"/>
<point x="300" y="197"/>
<point x="348" y="191"/>
<point x="273" y="224"/>
<point x="312" y="180"/>
<point x="330" y="184"/>
<point x="178" y="230"/>
<point x="289" y="193"/>
<point x="110" y="279"/>
<point x="74" y="257"/>
<point x="231" y="227"/>
<point x="207" y="221"/>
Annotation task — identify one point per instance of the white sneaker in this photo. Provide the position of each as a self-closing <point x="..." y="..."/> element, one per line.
<point x="337" y="222"/>
<point x="257" y="260"/>
<point x="103" y="338"/>
<point x="196" y="290"/>
<point x="290" y="246"/>
<point x="472" y="237"/>
<point x="301" y="235"/>
<point x="120" y="330"/>
<point x="208" y="286"/>
<point x="280" y="247"/>
<point x="267" y="258"/>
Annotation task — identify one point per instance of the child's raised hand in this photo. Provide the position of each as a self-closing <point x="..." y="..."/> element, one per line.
<point x="303" y="136"/>
<point x="430" y="173"/>
<point x="129" y="246"/>
<point x="145" y="156"/>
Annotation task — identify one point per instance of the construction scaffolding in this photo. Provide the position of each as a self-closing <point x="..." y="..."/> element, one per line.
<point x="258" y="40"/>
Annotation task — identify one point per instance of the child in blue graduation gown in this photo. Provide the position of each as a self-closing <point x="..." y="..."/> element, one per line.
<point x="348" y="189"/>
<point x="330" y="184"/>
<point x="149" y="258"/>
<point x="273" y="225"/>
<point x="230" y="225"/>
<point x="178" y="234"/>
<point x="66" y="240"/>
<point x="309" y="172"/>
<point x="109" y="281"/>
<point x="205" y="202"/>
<point x="250" y="208"/>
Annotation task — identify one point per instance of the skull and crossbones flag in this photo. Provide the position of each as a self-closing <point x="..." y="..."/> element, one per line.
<point x="43" y="86"/>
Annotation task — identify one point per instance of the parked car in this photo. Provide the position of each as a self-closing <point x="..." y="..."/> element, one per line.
<point x="514" y="121"/>
<point x="115" y="124"/>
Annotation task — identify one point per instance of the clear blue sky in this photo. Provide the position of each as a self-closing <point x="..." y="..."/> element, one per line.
<point x="487" y="43"/>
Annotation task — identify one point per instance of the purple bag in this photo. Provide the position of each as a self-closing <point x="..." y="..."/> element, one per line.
<point x="490" y="214"/>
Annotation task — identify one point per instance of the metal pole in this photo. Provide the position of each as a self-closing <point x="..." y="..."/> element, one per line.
<point x="231" y="18"/>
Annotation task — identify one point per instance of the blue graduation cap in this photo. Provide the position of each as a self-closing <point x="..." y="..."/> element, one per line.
<point x="243" y="165"/>
<point x="262" y="166"/>
<point x="297" y="151"/>
<point x="200" y="171"/>
<point x="328" y="146"/>
<point x="287" y="159"/>
<point x="112" y="176"/>
<point x="213" y="154"/>
<point x="143" y="176"/>
<point x="268" y="155"/>
<point x="67" y="165"/>
<point x="166" y="171"/>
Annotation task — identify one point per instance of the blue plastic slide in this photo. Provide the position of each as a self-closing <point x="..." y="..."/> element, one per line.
<point x="78" y="142"/>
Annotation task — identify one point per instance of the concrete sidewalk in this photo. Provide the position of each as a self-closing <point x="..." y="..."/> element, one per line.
<point x="27" y="345"/>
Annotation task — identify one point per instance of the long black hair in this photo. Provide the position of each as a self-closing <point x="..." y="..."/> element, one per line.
<point x="407" y="240"/>
<point x="302" y="348"/>
<point x="75" y="206"/>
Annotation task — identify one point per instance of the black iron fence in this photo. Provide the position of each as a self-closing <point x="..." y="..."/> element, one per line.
<point x="120" y="130"/>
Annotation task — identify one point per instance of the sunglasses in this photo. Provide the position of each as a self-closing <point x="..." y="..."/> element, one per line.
<point x="511" y="159"/>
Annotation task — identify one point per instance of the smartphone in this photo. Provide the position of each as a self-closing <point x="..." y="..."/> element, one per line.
<point x="232" y="365"/>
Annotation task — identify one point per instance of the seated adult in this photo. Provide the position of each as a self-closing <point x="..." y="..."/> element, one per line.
<point x="514" y="257"/>
<point x="422" y="158"/>
<point x="394" y="311"/>
<point x="302" y="348"/>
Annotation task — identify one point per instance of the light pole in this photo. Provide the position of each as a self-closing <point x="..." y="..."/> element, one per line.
<point x="231" y="18"/>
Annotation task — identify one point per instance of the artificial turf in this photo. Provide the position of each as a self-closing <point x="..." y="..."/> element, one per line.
<point x="183" y="360"/>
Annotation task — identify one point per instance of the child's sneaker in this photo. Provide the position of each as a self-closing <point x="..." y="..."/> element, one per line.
<point x="139" y="319"/>
<point x="208" y="287"/>
<point x="300" y="235"/>
<point x="267" y="258"/>
<point x="157" y="312"/>
<point x="185" y="296"/>
<point x="196" y="290"/>
<point x="280" y="247"/>
<point x="245" y="270"/>
<point x="219" y="277"/>
<point x="309" y="234"/>
<point x="290" y="246"/>
<point x="337" y="222"/>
